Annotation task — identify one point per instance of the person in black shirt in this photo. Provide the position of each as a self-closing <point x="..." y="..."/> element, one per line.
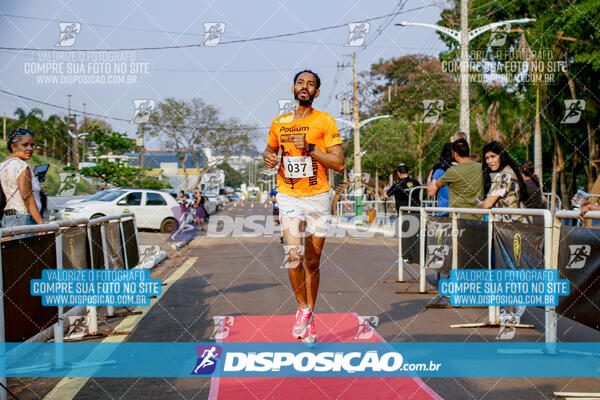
<point x="535" y="199"/>
<point x="401" y="189"/>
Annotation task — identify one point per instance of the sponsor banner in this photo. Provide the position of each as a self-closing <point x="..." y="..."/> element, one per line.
<point x="147" y="360"/>
<point x="75" y="248"/>
<point x="438" y="248"/>
<point x="96" y="256"/>
<point x="579" y="262"/>
<point x="518" y="245"/>
<point x="472" y="244"/>
<point x="410" y="231"/>
<point x="115" y="245"/>
<point x="23" y="260"/>
<point x="519" y="287"/>
<point x="131" y="244"/>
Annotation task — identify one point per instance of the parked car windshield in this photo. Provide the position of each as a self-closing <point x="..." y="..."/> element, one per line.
<point x="99" y="195"/>
<point x="112" y="195"/>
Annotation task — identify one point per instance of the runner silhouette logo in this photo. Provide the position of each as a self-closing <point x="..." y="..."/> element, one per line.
<point x="578" y="255"/>
<point x="207" y="359"/>
<point x="437" y="255"/>
<point x="222" y="326"/>
<point x="432" y="110"/>
<point x="366" y="327"/>
<point x="357" y="34"/>
<point x="573" y="110"/>
<point x="212" y="33"/>
<point x="68" y="33"/>
<point x="498" y="37"/>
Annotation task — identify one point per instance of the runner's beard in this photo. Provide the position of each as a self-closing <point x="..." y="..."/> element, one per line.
<point x="304" y="103"/>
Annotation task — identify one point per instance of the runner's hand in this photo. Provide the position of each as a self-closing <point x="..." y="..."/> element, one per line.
<point x="300" y="142"/>
<point x="271" y="159"/>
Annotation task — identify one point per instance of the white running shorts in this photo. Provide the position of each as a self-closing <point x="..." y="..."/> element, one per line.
<point x="315" y="210"/>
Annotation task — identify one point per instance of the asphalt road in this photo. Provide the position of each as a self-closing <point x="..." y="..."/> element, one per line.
<point x="242" y="276"/>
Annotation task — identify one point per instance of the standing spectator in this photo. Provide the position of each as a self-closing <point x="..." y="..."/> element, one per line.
<point x="464" y="180"/>
<point x="503" y="182"/>
<point x="199" y="210"/>
<point x="400" y="190"/>
<point x="20" y="186"/>
<point x="532" y="183"/>
<point x="182" y="200"/>
<point x="438" y="170"/>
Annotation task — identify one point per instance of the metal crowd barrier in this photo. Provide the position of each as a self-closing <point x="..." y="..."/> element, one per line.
<point x="57" y="228"/>
<point x="493" y="311"/>
<point x="429" y="202"/>
<point x="558" y="200"/>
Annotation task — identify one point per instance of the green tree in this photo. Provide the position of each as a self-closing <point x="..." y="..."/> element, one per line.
<point x="116" y="171"/>
<point x="233" y="178"/>
<point x="192" y="128"/>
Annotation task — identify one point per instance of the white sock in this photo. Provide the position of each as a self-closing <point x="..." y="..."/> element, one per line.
<point x="306" y="310"/>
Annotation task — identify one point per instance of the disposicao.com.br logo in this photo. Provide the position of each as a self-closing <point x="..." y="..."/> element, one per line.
<point x="325" y="362"/>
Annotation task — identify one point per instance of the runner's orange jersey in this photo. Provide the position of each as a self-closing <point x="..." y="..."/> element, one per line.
<point x="320" y="129"/>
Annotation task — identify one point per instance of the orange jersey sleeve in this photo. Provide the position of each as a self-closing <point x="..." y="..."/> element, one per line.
<point x="332" y="134"/>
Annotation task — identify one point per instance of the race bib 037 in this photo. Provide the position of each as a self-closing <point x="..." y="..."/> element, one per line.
<point x="298" y="167"/>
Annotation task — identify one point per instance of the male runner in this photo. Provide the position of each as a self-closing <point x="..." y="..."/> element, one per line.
<point x="307" y="142"/>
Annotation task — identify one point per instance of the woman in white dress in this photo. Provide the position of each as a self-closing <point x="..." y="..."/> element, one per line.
<point x="20" y="186"/>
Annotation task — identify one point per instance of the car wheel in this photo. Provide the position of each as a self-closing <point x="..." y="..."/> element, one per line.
<point x="167" y="226"/>
<point x="97" y="216"/>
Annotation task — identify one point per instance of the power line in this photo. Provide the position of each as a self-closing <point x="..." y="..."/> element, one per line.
<point x="80" y="112"/>
<point x="235" y="41"/>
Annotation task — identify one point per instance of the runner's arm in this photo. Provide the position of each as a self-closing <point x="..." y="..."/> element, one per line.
<point x="270" y="156"/>
<point x="333" y="158"/>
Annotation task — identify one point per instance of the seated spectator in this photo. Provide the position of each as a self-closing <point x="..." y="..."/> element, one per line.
<point x="503" y="183"/>
<point x="464" y="180"/>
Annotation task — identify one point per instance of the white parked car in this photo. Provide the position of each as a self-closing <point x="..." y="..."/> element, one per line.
<point x="153" y="209"/>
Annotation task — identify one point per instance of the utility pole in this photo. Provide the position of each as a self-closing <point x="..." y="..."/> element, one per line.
<point x="4" y="127"/>
<point x="357" y="158"/>
<point x="84" y="124"/>
<point x="464" y="122"/>
<point x="75" y="144"/>
<point x="69" y="151"/>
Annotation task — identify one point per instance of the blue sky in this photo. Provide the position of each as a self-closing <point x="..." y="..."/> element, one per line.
<point x="243" y="80"/>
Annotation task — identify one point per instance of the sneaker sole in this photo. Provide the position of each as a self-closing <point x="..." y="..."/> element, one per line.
<point x="302" y="334"/>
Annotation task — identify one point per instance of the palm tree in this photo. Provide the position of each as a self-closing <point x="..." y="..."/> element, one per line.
<point x="56" y="128"/>
<point x="34" y="115"/>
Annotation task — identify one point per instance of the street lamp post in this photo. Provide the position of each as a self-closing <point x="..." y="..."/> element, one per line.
<point x="357" y="160"/>
<point x="463" y="37"/>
